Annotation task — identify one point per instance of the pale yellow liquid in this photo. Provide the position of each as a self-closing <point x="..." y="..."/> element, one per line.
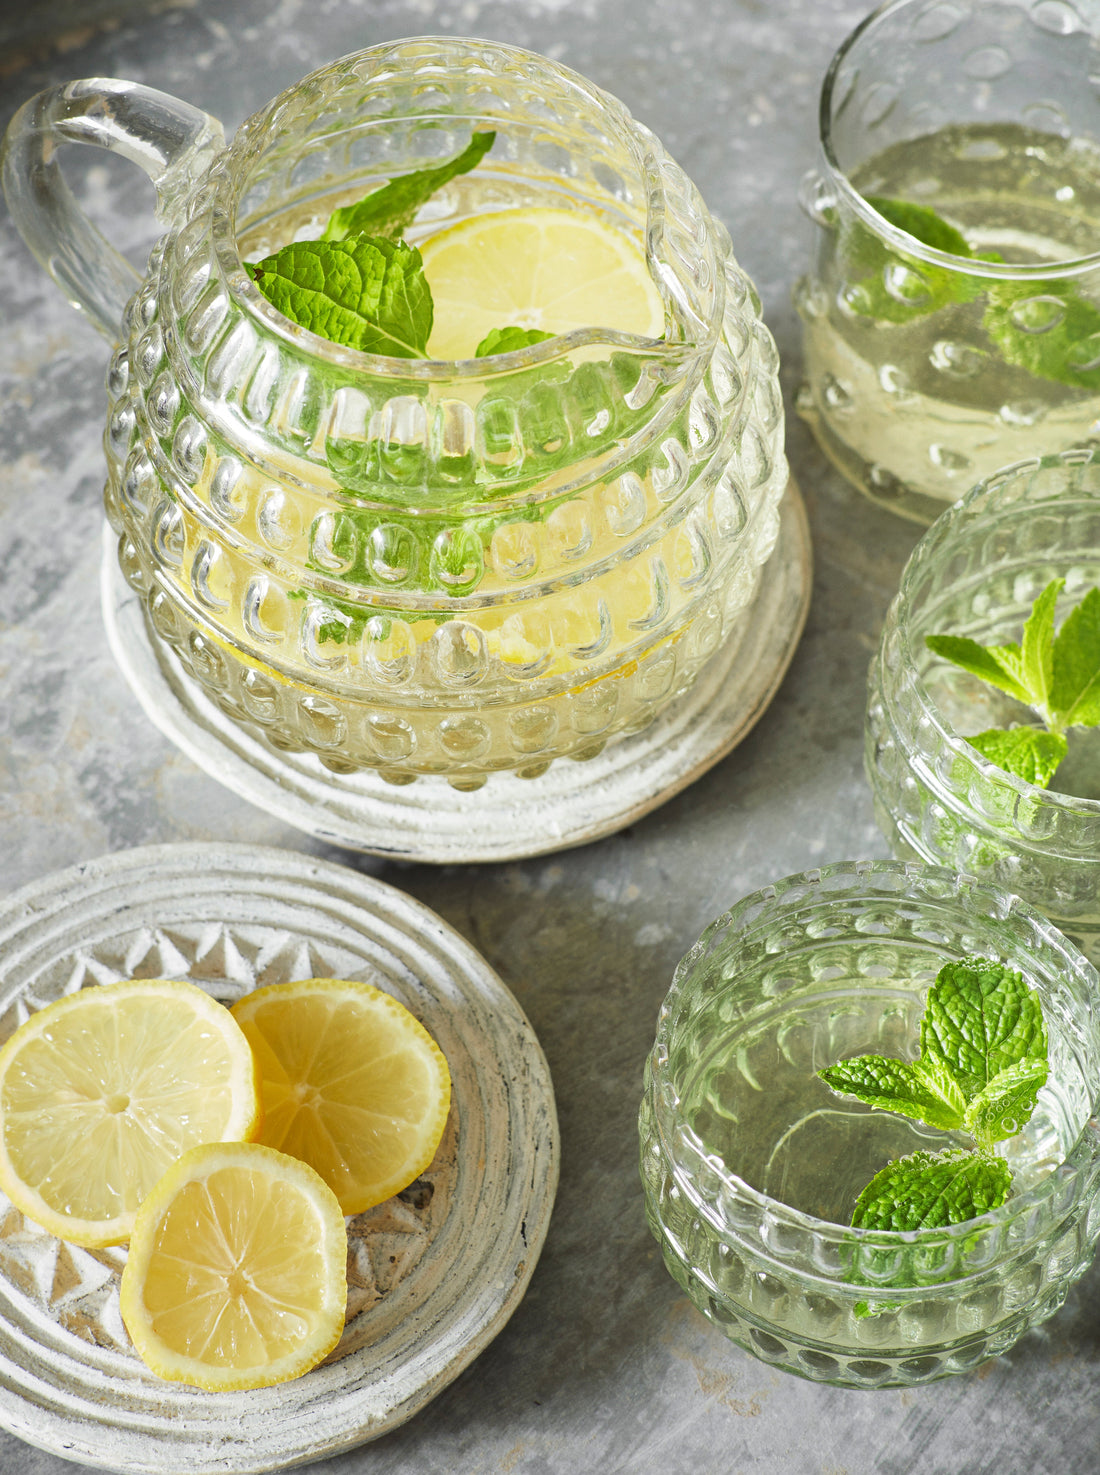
<point x="928" y="405"/>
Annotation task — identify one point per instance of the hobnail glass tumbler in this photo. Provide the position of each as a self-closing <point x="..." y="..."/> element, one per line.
<point x="751" y="1165"/>
<point x="951" y="320"/>
<point x="976" y="572"/>
<point x="420" y="567"/>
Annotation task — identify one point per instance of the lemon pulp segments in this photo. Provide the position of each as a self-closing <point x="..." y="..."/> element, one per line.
<point x="351" y="1083"/>
<point x="237" y="1270"/>
<point x="102" y="1090"/>
<point x="552" y="269"/>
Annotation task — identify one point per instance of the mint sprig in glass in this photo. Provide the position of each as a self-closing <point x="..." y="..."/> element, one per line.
<point x="982" y="1063"/>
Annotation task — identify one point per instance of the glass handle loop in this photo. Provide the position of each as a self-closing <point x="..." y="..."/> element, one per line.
<point x="171" y="140"/>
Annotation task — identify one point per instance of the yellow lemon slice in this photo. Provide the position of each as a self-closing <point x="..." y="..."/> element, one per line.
<point x="237" y="1271"/>
<point x="351" y="1083"/>
<point x="101" y="1091"/>
<point x="555" y="270"/>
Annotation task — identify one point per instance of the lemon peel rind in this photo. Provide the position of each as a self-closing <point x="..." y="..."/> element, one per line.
<point x="331" y="1235"/>
<point x="243" y="1124"/>
<point x="246" y="1010"/>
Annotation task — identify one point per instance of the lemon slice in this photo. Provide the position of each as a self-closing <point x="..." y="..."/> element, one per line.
<point x="101" y="1091"/>
<point x="541" y="268"/>
<point x="237" y="1271"/>
<point x="351" y="1083"/>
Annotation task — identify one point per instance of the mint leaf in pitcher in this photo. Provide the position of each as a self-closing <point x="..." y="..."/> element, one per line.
<point x="366" y="293"/>
<point x="508" y="340"/>
<point x="391" y="209"/>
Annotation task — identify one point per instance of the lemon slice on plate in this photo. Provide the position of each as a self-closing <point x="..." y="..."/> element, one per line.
<point x="237" y="1271"/>
<point x="351" y="1084"/>
<point x="101" y="1091"/>
<point x="551" y="269"/>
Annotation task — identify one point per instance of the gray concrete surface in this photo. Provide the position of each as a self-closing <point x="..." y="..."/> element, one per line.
<point x="605" y="1367"/>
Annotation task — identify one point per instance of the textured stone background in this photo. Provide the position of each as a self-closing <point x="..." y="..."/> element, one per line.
<point x="605" y="1367"/>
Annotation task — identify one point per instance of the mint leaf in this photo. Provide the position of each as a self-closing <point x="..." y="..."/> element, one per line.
<point x="1028" y="752"/>
<point x="923" y="223"/>
<point x="980" y="1019"/>
<point x="1047" y="329"/>
<point x="931" y="1096"/>
<point x="1037" y="646"/>
<point x="1075" y="690"/>
<point x="892" y="286"/>
<point x="1001" y="665"/>
<point x="931" y="1190"/>
<point x="366" y="293"/>
<point x="391" y="209"/>
<point x="1006" y="1104"/>
<point x="507" y="340"/>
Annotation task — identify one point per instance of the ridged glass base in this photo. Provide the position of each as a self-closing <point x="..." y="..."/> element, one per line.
<point x="510" y="817"/>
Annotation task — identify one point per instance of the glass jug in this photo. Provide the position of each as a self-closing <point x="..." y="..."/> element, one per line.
<point x="417" y="566"/>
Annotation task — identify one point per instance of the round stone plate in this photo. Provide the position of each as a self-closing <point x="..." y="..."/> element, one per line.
<point x="433" y="1274"/>
<point x="510" y="818"/>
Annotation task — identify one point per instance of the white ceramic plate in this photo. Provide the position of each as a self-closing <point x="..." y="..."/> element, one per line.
<point x="432" y="1275"/>
<point x="509" y="818"/>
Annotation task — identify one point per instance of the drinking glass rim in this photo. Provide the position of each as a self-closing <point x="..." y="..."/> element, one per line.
<point x="233" y="163"/>
<point x="968" y="506"/>
<point x="672" y="1129"/>
<point x="901" y="240"/>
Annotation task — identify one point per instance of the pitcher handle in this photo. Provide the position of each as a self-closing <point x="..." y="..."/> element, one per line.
<point x="171" y="140"/>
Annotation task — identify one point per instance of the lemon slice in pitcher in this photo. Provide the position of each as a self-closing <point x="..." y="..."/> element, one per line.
<point x="237" y="1270"/>
<point x="550" y="269"/>
<point x="101" y="1091"/>
<point x="351" y="1084"/>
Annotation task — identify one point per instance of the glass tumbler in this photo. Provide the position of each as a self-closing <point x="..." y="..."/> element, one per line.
<point x="751" y="1166"/>
<point x="977" y="572"/>
<point x="417" y="566"/>
<point x="951" y="322"/>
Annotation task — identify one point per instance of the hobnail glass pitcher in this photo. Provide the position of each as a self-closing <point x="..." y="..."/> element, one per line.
<point x="417" y="566"/>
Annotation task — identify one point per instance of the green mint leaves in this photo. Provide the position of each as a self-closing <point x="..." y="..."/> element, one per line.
<point x="360" y="285"/>
<point x="1046" y="328"/>
<point x="1028" y="752"/>
<point x="390" y="210"/>
<point x="367" y="293"/>
<point x="891" y="287"/>
<point x="923" y="223"/>
<point x="507" y="340"/>
<point x="931" y="1190"/>
<point x="981" y="1019"/>
<point x="1056" y="674"/>
<point x="982" y="1064"/>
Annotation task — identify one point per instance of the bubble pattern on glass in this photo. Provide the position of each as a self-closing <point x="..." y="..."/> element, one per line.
<point x="781" y="1284"/>
<point x="936" y="798"/>
<point x="1005" y="63"/>
<point x="543" y="636"/>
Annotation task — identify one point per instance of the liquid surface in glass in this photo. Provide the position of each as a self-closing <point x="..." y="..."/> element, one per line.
<point x="931" y="401"/>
